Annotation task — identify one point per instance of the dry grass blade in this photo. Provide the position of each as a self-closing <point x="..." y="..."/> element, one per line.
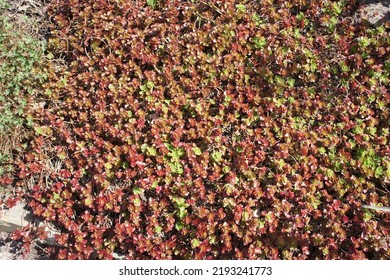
<point x="376" y="208"/>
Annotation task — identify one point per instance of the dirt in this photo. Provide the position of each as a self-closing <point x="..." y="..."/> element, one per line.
<point x="9" y="249"/>
<point x="375" y="12"/>
<point x="29" y="16"/>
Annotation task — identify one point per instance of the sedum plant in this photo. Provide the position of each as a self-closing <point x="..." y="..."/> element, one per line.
<point x="215" y="130"/>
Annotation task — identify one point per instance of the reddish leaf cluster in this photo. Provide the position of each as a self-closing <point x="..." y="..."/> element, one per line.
<point x="216" y="130"/>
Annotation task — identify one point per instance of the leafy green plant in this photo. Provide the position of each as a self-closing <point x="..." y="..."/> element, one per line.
<point x="20" y="79"/>
<point x="152" y="3"/>
<point x="20" y="55"/>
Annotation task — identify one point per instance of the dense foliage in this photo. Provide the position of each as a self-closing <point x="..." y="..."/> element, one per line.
<point x="214" y="130"/>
